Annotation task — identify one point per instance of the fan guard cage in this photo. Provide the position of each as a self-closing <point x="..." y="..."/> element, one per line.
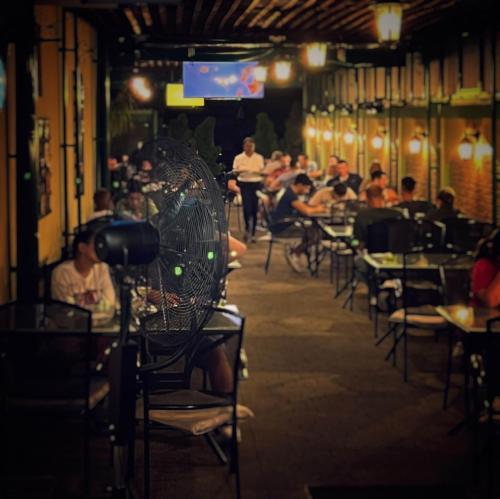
<point x="189" y="271"/>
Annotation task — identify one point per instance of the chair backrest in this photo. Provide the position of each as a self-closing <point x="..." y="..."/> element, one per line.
<point x="394" y="235"/>
<point x="463" y="234"/>
<point x="429" y="234"/>
<point x="46" y="351"/>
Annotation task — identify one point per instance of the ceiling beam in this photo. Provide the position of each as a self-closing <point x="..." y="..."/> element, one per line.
<point x="246" y="12"/>
<point x="262" y="13"/>
<point x="229" y="13"/>
<point x="294" y="13"/>
<point x="213" y="13"/>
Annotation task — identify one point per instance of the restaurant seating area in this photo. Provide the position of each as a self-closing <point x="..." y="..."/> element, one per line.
<point x="249" y="249"/>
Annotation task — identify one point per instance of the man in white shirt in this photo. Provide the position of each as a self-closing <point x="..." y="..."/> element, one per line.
<point x="248" y="167"/>
<point x="85" y="280"/>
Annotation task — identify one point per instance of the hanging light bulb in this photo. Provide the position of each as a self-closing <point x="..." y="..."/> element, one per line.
<point x="482" y="151"/>
<point x="311" y="132"/>
<point x="415" y="145"/>
<point x="282" y="70"/>
<point x="349" y="137"/>
<point x="140" y="87"/>
<point x="377" y="141"/>
<point x="327" y="135"/>
<point x="465" y="149"/>
<point x="316" y="54"/>
<point x="388" y="17"/>
<point x="260" y="73"/>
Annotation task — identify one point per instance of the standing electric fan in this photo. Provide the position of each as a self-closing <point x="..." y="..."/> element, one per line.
<point x="181" y="251"/>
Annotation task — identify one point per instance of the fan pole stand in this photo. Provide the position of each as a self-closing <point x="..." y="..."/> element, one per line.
<point x="123" y="382"/>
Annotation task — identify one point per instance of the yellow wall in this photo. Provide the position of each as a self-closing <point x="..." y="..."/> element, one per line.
<point x="8" y="192"/>
<point x="49" y="105"/>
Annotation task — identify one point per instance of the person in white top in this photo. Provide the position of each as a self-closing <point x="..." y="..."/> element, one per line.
<point x="248" y="166"/>
<point x="85" y="280"/>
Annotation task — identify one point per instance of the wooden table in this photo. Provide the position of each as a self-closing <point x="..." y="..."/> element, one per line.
<point x="417" y="261"/>
<point x="468" y="319"/>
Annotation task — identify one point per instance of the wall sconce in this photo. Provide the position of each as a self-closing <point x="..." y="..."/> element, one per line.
<point x="465" y="149"/>
<point x="378" y="139"/>
<point x="140" y="88"/>
<point x="311" y="132"/>
<point x="474" y="146"/>
<point x="349" y="137"/>
<point x="388" y="19"/>
<point x="282" y="70"/>
<point x="416" y="142"/>
<point x="316" y="54"/>
<point x="327" y="135"/>
<point x="260" y="73"/>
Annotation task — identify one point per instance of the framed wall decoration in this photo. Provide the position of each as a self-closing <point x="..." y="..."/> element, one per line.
<point x="44" y="184"/>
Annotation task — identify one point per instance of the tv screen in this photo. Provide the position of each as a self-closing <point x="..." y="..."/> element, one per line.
<point x="175" y="97"/>
<point x="221" y="80"/>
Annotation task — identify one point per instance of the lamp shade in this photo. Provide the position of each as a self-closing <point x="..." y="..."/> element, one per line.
<point x="316" y="54"/>
<point x="377" y="141"/>
<point x="327" y="135"/>
<point x="311" y="132"/>
<point x="415" y="145"/>
<point x="282" y="70"/>
<point x="465" y="149"/>
<point x="260" y="73"/>
<point x="349" y="137"/>
<point x="388" y="18"/>
<point x="127" y="243"/>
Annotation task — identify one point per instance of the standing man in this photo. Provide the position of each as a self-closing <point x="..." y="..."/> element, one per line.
<point x="248" y="167"/>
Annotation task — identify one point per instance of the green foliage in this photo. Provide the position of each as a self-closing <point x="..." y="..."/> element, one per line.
<point x="266" y="139"/>
<point x="120" y="114"/>
<point x="178" y="128"/>
<point x="205" y="144"/>
<point x="292" y="139"/>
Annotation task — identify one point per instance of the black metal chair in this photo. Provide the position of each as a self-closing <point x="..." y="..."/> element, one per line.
<point x="171" y="389"/>
<point x="483" y="351"/>
<point x="463" y="234"/>
<point x="45" y="360"/>
<point x="419" y="302"/>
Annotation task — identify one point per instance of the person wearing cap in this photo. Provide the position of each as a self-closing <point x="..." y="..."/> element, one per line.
<point x="248" y="167"/>
<point x="444" y="206"/>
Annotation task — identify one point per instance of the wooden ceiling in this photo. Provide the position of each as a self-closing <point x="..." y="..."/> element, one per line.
<point x="350" y="21"/>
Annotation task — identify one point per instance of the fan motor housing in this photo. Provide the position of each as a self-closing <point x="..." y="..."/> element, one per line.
<point x="127" y="243"/>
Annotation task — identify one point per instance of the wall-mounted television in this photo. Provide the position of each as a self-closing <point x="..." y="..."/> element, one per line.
<point x="174" y="97"/>
<point x="221" y="80"/>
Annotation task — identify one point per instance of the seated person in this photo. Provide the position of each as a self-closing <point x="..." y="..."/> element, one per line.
<point x="135" y="206"/>
<point x="485" y="277"/>
<point x="409" y="202"/>
<point x="352" y="180"/>
<point x="274" y="163"/>
<point x="375" y="212"/>
<point x="331" y="167"/>
<point x="444" y="206"/>
<point x="85" y="280"/>
<point x="308" y="166"/>
<point x="339" y="193"/>
<point x="290" y="206"/>
<point x="284" y="166"/>
<point x="286" y="179"/>
<point x="379" y="178"/>
<point x="103" y="205"/>
<point x="236" y="248"/>
<point x="375" y="166"/>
